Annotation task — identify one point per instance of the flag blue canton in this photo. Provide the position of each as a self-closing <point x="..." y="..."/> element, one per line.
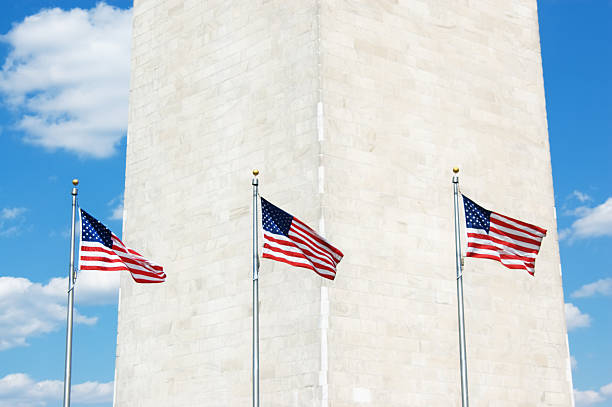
<point x="275" y="220"/>
<point x="476" y="217"/>
<point x="94" y="231"/>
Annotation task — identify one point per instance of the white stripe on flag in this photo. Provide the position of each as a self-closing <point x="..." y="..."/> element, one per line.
<point x="495" y="216"/>
<point x="303" y="261"/>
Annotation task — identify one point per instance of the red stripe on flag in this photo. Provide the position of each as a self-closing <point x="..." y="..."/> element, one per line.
<point x="316" y="264"/>
<point x="318" y="238"/>
<point x="487" y="256"/>
<point x="325" y="257"/>
<point x="307" y="266"/>
<point x="501" y="242"/>
<point x="520" y="222"/>
<point x="514" y="237"/>
<point x="500" y="222"/>
<point x="120" y="268"/>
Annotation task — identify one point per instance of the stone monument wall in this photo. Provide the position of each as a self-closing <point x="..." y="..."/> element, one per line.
<point x="354" y="112"/>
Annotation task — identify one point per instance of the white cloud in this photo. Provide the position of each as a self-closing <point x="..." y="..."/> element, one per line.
<point x="574" y="318"/>
<point x="587" y="397"/>
<point x="596" y="221"/>
<point x="20" y="390"/>
<point x="603" y="287"/>
<point x="591" y="222"/>
<point x="92" y="287"/>
<point x="573" y="362"/>
<point x="92" y="392"/>
<point x="30" y="309"/>
<point x="606" y="390"/>
<point x="68" y="77"/>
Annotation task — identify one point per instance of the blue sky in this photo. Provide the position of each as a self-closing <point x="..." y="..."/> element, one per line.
<point x="65" y="74"/>
<point x="576" y="38"/>
<point x="35" y="196"/>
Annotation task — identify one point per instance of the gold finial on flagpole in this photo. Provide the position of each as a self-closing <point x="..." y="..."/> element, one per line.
<point x="455" y="169"/>
<point x="75" y="182"/>
<point x="256" y="172"/>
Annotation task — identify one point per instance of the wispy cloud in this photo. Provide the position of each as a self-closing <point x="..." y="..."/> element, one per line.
<point x="601" y="287"/>
<point x="581" y="196"/>
<point x="9" y="230"/>
<point x="590" y="397"/>
<point x="67" y="76"/>
<point x="11" y="221"/>
<point x="591" y="222"/>
<point x="574" y="318"/>
<point x="30" y="309"/>
<point x="11" y="213"/>
<point x="565" y="233"/>
<point x="117" y="207"/>
<point x="64" y="233"/>
<point x="20" y="390"/>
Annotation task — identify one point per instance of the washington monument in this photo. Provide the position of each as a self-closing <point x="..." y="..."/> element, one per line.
<point x="354" y="112"/>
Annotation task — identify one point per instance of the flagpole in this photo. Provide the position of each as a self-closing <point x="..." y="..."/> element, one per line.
<point x="462" y="353"/>
<point x="71" y="281"/>
<point x="255" y="183"/>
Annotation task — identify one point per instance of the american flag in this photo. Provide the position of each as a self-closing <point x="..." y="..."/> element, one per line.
<point x="102" y="250"/>
<point x="291" y="241"/>
<point x="513" y="243"/>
